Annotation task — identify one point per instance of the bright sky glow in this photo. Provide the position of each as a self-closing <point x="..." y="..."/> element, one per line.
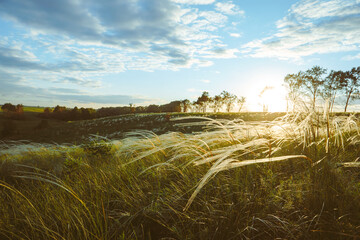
<point x="110" y="53"/>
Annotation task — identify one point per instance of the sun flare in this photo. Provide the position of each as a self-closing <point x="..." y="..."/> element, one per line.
<point x="273" y="99"/>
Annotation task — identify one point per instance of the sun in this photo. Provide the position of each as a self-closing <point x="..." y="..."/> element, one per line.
<point x="273" y="99"/>
<point x="266" y="90"/>
<point x="270" y="98"/>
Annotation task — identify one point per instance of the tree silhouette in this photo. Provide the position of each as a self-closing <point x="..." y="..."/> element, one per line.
<point x="217" y="102"/>
<point x="313" y="79"/>
<point x="332" y="85"/>
<point x="47" y="110"/>
<point x="132" y="107"/>
<point x="19" y="109"/>
<point x="59" y="109"/>
<point x="350" y="83"/>
<point x="13" y="112"/>
<point x="310" y="82"/>
<point x="203" y="101"/>
<point x="185" y="105"/>
<point x="293" y="85"/>
<point x="8" y="107"/>
<point x="228" y="99"/>
<point x="241" y="101"/>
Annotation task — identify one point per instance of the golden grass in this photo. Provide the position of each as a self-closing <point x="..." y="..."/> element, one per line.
<point x="234" y="179"/>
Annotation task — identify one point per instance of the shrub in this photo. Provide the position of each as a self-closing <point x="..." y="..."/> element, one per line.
<point x="13" y="112"/>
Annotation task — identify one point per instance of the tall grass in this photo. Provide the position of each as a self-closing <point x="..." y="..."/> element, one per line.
<point x="288" y="178"/>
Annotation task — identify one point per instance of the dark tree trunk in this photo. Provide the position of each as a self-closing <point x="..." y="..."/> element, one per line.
<point x="347" y="100"/>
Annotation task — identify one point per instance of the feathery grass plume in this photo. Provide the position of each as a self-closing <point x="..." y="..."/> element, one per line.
<point x="142" y="191"/>
<point x="225" y="164"/>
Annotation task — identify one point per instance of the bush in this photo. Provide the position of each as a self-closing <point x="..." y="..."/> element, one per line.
<point x="13" y="112"/>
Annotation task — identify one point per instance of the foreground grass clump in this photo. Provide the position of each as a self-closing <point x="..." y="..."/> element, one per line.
<point x="282" y="179"/>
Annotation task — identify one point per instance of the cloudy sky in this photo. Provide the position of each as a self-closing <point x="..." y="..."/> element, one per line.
<point x="115" y="52"/>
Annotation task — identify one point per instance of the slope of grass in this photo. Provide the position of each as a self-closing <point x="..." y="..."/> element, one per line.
<point x="233" y="180"/>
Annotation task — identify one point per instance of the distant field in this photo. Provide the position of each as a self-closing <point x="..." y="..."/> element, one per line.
<point x="113" y="127"/>
<point x="34" y="109"/>
<point x="31" y="109"/>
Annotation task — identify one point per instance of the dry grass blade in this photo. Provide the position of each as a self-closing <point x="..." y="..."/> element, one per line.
<point x="227" y="164"/>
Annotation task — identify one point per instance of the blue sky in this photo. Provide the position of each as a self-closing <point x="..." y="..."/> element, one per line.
<point x="110" y="53"/>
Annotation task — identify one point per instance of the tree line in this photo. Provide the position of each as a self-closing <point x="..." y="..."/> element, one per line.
<point x="224" y="100"/>
<point x="216" y="104"/>
<point x="310" y="85"/>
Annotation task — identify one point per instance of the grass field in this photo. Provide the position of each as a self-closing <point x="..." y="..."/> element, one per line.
<point x="31" y="109"/>
<point x="111" y="127"/>
<point x="291" y="178"/>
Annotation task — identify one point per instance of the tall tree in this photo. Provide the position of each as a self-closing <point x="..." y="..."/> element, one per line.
<point x="59" y="109"/>
<point x="203" y="101"/>
<point x="313" y="79"/>
<point x="310" y="82"/>
<point x="350" y="84"/>
<point x="293" y="85"/>
<point x="241" y="101"/>
<point x="19" y="109"/>
<point x="228" y="99"/>
<point x="185" y="105"/>
<point x="217" y="102"/>
<point x="132" y="107"/>
<point x="332" y="84"/>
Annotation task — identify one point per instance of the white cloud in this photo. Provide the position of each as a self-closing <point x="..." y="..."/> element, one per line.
<point x="213" y="17"/>
<point x="189" y="18"/>
<point x="312" y="27"/>
<point x="222" y="53"/>
<point x="74" y="44"/>
<point x="153" y="34"/>
<point x="194" y="2"/>
<point x="316" y="9"/>
<point x="86" y="39"/>
<point x="351" y="57"/>
<point x="228" y="8"/>
<point x="236" y="35"/>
